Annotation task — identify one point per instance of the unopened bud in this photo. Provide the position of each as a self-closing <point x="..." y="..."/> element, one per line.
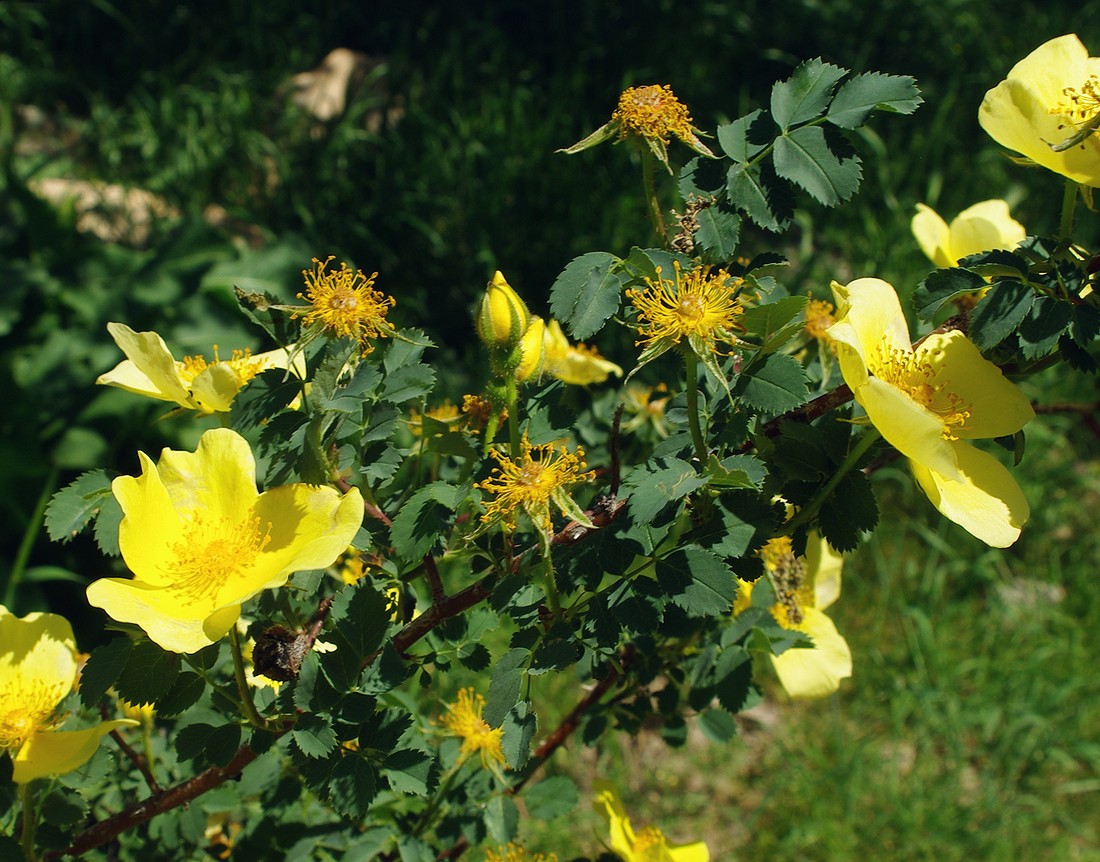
<point x="503" y="317"/>
<point x="532" y="349"/>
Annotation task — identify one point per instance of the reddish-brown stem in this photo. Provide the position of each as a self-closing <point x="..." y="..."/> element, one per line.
<point x="435" y="583"/>
<point x="135" y="758"/>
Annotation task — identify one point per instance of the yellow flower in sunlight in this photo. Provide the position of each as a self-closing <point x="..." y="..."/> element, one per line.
<point x="344" y="303"/>
<point x="530" y="483"/>
<point x="38" y="668"/>
<point x="981" y="227"/>
<point x="516" y="853"/>
<point x="201" y="541"/>
<point x="926" y="401"/>
<point x="652" y="114"/>
<point x="646" y="845"/>
<point x="575" y="364"/>
<point x="1047" y="108"/>
<point x="804" y="588"/>
<point x="193" y="383"/>
<point x="502" y="318"/>
<point x="464" y="720"/>
<point x="699" y="307"/>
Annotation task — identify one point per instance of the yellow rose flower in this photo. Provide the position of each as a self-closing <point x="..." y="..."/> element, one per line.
<point x="574" y="364"/>
<point x="926" y="401"/>
<point x="1049" y="98"/>
<point x="193" y="383"/>
<point x="646" y="845"/>
<point x="502" y="317"/>
<point x="201" y="541"/>
<point x="805" y="587"/>
<point x="38" y="668"/>
<point x="981" y="227"/>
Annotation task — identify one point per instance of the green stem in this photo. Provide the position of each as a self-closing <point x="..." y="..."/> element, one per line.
<point x="1069" y="204"/>
<point x="247" y="705"/>
<point x="30" y="822"/>
<point x="19" y="565"/>
<point x="433" y="804"/>
<point x="552" y="595"/>
<point x="691" y="366"/>
<point x="809" y="511"/>
<point x="649" y="183"/>
<point x="513" y="417"/>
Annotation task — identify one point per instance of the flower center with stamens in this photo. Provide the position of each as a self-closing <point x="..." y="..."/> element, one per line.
<point x="214" y="550"/>
<point x="913" y="372"/>
<point x="23" y="711"/>
<point x="650" y="845"/>
<point x="1080" y="105"/>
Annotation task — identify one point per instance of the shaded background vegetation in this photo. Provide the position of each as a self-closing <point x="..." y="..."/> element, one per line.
<point x="443" y="169"/>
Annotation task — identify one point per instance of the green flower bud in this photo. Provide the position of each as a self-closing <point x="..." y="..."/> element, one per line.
<point x="503" y="317"/>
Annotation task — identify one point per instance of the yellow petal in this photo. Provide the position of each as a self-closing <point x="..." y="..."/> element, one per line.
<point x="869" y="318"/>
<point x="531" y="349"/>
<point x="215" y="387"/>
<point x="608" y="803"/>
<point x="173" y="625"/>
<point x="909" y="427"/>
<point x="218" y="478"/>
<point x="818" y="670"/>
<point x="153" y="371"/>
<point x="984" y="226"/>
<point x="60" y="751"/>
<point x="984" y="500"/>
<point x="997" y="407"/>
<point x="933" y="236"/>
<point x="38" y="655"/>
<point x="823" y="567"/>
<point x="150" y="526"/>
<point x="697" y="852"/>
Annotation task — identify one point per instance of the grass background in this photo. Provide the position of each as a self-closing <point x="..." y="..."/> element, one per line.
<point x="970" y="727"/>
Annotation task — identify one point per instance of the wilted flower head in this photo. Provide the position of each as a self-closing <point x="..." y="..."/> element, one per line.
<point x="646" y="845"/>
<point x="193" y="383"/>
<point x="651" y="114"/>
<point x="344" y="303"/>
<point x="926" y="400"/>
<point x="982" y="227"/>
<point x="516" y="853"/>
<point x="38" y="668"/>
<point x="464" y="719"/>
<point x="1048" y="109"/>
<point x="201" y="540"/>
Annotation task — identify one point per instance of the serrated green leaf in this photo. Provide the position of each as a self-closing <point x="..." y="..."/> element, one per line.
<point x="505" y="685"/>
<point x="518" y="730"/>
<point x="1046" y="321"/>
<point x="183" y="694"/>
<point x="351" y="786"/>
<point x="405" y="350"/>
<point x="803" y="156"/>
<point x="736" y="471"/>
<point x="717" y="234"/>
<point x="701" y="178"/>
<point x="873" y="91"/>
<point x="552" y="797"/>
<point x="996" y="262"/>
<point x="745" y="138"/>
<point x="73" y="506"/>
<point x="208" y="743"/>
<point x="1086" y="324"/>
<point x="501" y="819"/>
<point x="654" y="485"/>
<point x="999" y="312"/>
<point x="769" y="322"/>
<point x="850" y="511"/>
<point x="775" y="386"/>
<point x="805" y="95"/>
<point x="698" y="581"/>
<point x="313" y="735"/>
<point x="474" y="656"/>
<point x="106" y="526"/>
<point x="149" y="673"/>
<point x="407" y="382"/>
<point x="408" y="770"/>
<point x="718" y="725"/>
<point x="265" y="395"/>
<point x="756" y="191"/>
<point x="424" y="519"/>
<point x="62" y="807"/>
<point x="587" y="293"/>
<point x="944" y="285"/>
<point x="361" y="617"/>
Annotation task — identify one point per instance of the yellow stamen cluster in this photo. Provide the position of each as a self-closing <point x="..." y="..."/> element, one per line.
<point x="529" y="483"/>
<point x="1080" y="105"/>
<point x="913" y="372"/>
<point x="650" y="845"/>
<point x="819" y="317"/>
<point x="788" y="576"/>
<point x="23" y="711"/>
<point x="698" y="304"/>
<point x="515" y="853"/>
<point x="241" y="362"/>
<point x="211" y="551"/>
<point x="345" y="304"/>
<point x="464" y="720"/>
<point x="652" y="112"/>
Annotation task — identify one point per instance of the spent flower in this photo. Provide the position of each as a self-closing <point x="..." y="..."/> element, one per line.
<point x="201" y="540"/>
<point x="344" y="303"/>
<point x="516" y="853"/>
<point x="465" y="720"/>
<point x="38" y="669"/>
<point x="927" y="400"/>
<point x="700" y="307"/>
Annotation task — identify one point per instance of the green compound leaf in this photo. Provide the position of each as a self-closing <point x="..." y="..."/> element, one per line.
<point x="149" y="673"/>
<point x="102" y="669"/>
<point x="768" y="323"/>
<point x="407" y="382"/>
<point x="849" y="512"/>
<point x="552" y="797"/>
<point x="761" y="195"/>
<point x="361" y="614"/>
<point x="741" y="472"/>
<point x="942" y="286"/>
<point x="656" y="484"/>
<point x="502" y="819"/>
<point x="1046" y="320"/>
<point x="408" y="771"/>
<point x="776" y="385"/>
<point x="313" y="735"/>
<point x="506" y="685"/>
<point x="77" y="503"/>
<point x="805" y="95"/>
<point x="873" y="91"/>
<point x="804" y="158"/>
<point x="423" y="521"/>
<point x="999" y="313"/>
<point x="697" y="581"/>
<point x="519" y="729"/>
<point x="586" y="293"/>
<point x="746" y="137"/>
<point x="717" y="234"/>
<point x="352" y="785"/>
